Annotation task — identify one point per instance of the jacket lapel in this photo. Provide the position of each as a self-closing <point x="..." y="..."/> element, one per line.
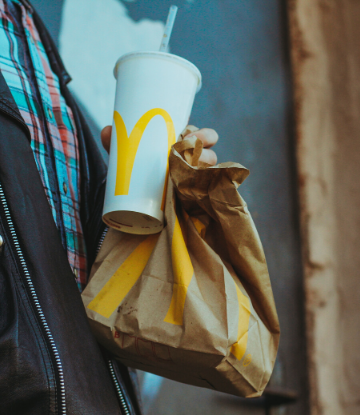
<point x="49" y="270"/>
<point x="9" y="107"/>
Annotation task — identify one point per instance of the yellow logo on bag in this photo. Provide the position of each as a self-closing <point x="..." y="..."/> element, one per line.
<point x="239" y="348"/>
<point x="247" y="360"/>
<point x="127" y="147"/>
<point x="120" y="284"/>
<point x="183" y="272"/>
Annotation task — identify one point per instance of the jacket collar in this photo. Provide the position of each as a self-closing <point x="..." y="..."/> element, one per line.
<point x="7" y="102"/>
<point x="49" y="46"/>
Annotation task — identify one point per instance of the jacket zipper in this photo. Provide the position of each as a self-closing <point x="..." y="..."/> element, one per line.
<point x="35" y="300"/>
<point x="101" y="240"/>
<point x="123" y="404"/>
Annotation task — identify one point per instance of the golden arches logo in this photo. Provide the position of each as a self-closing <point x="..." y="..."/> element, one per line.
<point x="127" y="147"/>
<point x="114" y="291"/>
<point x="119" y="285"/>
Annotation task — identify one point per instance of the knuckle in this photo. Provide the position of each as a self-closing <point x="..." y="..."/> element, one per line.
<point x="213" y="158"/>
<point x="209" y="157"/>
<point x="211" y="135"/>
<point x="214" y="135"/>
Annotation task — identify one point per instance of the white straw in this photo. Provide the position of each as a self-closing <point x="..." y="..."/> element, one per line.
<point x="168" y="28"/>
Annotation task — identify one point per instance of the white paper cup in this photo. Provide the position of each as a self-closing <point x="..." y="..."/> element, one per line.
<point x="155" y="92"/>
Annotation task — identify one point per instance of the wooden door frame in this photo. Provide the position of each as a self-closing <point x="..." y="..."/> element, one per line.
<point x="325" y="56"/>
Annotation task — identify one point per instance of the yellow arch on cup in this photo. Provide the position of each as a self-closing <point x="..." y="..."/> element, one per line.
<point x="127" y="147"/>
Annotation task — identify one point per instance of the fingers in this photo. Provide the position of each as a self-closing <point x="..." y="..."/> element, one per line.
<point x="208" y="156"/>
<point x="208" y="136"/>
<point x="105" y="137"/>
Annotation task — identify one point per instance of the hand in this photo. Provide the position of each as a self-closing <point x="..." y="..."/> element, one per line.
<point x="208" y="136"/>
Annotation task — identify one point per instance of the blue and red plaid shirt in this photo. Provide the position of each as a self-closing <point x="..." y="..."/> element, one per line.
<point x="36" y="91"/>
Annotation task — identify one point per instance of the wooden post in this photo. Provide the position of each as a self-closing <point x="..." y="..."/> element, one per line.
<point x="325" y="49"/>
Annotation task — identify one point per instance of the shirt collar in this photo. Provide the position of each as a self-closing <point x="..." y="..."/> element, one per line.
<point x="25" y="3"/>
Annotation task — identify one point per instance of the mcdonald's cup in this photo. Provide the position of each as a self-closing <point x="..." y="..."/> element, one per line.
<point x="155" y="92"/>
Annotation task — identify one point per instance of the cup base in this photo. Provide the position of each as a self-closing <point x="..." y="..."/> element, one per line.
<point x="133" y="222"/>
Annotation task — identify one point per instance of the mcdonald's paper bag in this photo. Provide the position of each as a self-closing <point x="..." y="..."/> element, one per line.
<point x="194" y="302"/>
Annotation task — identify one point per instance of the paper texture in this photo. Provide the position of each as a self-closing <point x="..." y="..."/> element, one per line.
<point x="194" y="302"/>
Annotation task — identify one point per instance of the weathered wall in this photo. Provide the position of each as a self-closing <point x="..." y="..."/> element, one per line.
<point x="241" y="50"/>
<point x="326" y="71"/>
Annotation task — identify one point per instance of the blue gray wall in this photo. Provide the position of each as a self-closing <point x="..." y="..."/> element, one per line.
<point x="240" y="48"/>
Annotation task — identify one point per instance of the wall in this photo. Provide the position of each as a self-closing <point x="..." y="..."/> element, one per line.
<point x="326" y="73"/>
<point x="241" y="49"/>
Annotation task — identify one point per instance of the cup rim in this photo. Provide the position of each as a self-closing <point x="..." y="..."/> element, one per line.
<point x="161" y="55"/>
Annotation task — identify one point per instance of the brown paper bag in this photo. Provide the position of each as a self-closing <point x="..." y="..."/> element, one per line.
<point x="193" y="303"/>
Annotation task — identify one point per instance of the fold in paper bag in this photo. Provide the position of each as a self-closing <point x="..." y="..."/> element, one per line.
<point x="194" y="302"/>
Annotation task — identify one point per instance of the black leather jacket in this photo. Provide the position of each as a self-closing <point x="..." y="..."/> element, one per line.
<point x="50" y="362"/>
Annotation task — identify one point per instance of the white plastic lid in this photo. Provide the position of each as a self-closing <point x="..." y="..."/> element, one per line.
<point x="161" y="55"/>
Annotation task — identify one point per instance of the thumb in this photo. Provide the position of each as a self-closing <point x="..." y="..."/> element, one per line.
<point x="105" y="137"/>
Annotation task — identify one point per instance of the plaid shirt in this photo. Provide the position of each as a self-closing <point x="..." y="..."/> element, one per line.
<point x="36" y="91"/>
